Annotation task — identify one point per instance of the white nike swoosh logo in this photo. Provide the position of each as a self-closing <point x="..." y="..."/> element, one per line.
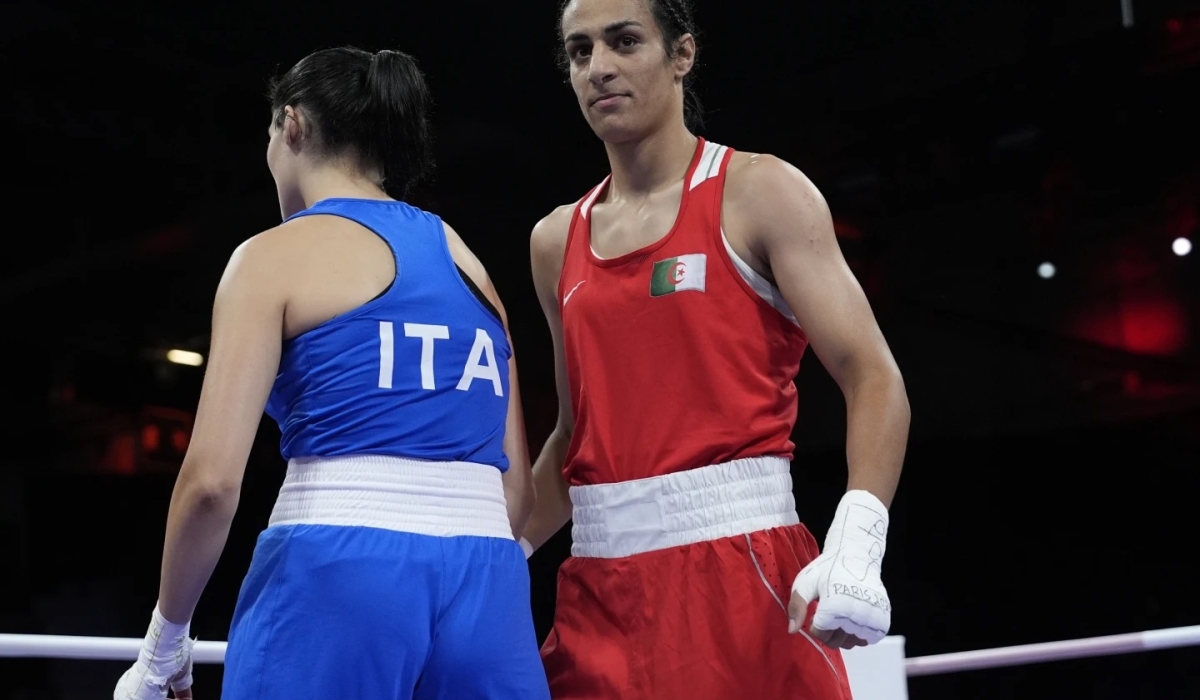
<point x="568" y="296"/>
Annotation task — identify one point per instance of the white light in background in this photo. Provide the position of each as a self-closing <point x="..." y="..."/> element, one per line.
<point x="184" y="357"/>
<point x="1046" y="270"/>
<point x="1181" y="246"/>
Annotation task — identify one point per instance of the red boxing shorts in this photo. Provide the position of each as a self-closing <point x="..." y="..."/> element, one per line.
<point x="678" y="588"/>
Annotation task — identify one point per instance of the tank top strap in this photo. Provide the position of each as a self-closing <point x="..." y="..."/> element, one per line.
<point x="578" y="230"/>
<point x="411" y="233"/>
<point x="705" y="185"/>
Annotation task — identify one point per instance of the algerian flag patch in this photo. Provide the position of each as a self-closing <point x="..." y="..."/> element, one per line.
<point x="678" y="274"/>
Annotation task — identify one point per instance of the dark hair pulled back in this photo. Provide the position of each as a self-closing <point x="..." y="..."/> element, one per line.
<point x="370" y="107"/>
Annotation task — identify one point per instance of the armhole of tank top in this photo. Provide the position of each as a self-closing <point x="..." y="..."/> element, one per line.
<point x="727" y="253"/>
<point x="385" y="289"/>
<point x="478" y="292"/>
<point x="395" y="261"/>
<point x="572" y="229"/>
<point x="368" y="304"/>
<point x="466" y="283"/>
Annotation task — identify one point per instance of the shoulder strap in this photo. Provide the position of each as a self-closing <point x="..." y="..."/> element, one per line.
<point x="579" y="218"/>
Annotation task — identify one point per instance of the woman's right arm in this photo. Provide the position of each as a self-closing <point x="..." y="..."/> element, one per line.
<point x="552" y="510"/>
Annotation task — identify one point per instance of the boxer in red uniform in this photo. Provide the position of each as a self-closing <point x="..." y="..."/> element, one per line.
<point x="681" y="293"/>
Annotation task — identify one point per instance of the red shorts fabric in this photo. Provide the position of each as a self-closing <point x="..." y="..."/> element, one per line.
<point x="704" y="621"/>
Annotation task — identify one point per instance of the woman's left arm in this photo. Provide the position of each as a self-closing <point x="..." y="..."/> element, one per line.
<point x="247" y="337"/>
<point x="247" y="331"/>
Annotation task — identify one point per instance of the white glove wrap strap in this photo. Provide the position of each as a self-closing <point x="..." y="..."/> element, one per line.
<point x="846" y="577"/>
<point x="526" y="547"/>
<point x="165" y="659"/>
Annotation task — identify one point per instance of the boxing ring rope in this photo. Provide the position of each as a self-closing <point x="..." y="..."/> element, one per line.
<point x="51" y="646"/>
<point x="1053" y="651"/>
<point x="126" y="649"/>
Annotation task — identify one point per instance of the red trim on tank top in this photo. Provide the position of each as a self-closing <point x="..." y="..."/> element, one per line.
<point x="647" y="249"/>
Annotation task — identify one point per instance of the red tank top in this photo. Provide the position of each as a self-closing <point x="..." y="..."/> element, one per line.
<point x="674" y="360"/>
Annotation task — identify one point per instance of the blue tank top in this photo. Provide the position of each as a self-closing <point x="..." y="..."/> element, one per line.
<point x="419" y="372"/>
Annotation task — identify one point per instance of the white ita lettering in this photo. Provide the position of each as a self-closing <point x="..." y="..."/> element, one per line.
<point x="474" y="369"/>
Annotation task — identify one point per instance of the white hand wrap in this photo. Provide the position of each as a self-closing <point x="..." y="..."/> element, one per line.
<point x="526" y="547"/>
<point x="845" y="578"/>
<point x="165" y="660"/>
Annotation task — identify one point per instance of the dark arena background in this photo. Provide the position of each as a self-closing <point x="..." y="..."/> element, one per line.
<point x="1016" y="184"/>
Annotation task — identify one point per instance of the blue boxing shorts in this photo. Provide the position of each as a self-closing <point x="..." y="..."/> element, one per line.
<point x="351" y="611"/>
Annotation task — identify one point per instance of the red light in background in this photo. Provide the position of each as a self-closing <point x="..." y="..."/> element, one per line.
<point x="1099" y="326"/>
<point x="1178" y="45"/>
<point x="151" y="438"/>
<point x="179" y="440"/>
<point x="1153" y="326"/>
<point x="1133" y="305"/>
<point x="165" y="434"/>
<point x="844" y="229"/>
<point x="121" y="455"/>
<point x="1148" y="326"/>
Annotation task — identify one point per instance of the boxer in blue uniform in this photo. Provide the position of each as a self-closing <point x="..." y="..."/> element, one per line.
<point x="373" y="336"/>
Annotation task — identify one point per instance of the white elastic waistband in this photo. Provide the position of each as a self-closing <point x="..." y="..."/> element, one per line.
<point x="443" y="499"/>
<point x="708" y="503"/>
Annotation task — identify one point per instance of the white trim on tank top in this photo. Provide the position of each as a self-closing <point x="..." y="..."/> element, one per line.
<point x="709" y="165"/>
<point x="761" y="286"/>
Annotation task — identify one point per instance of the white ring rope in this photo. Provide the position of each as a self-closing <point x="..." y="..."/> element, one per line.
<point x="126" y="649"/>
<point x="1054" y="651"/>
<point x="51" y="646"/>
